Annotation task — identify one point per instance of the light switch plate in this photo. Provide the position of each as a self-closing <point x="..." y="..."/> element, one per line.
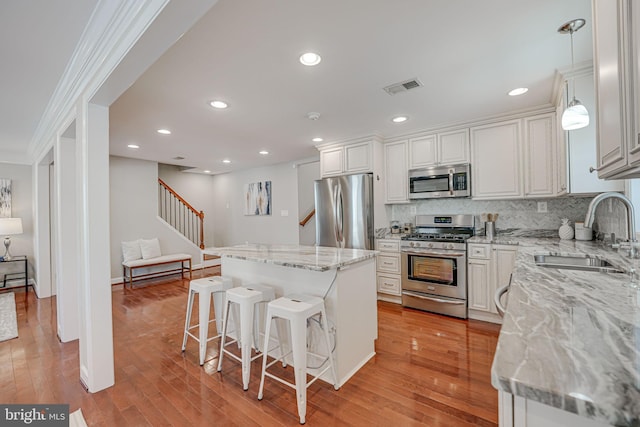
<point x="284" y="213"/>
<point x="542" y="207"/>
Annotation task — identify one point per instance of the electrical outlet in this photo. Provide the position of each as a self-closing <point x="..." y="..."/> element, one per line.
<point x="542" y="207"/>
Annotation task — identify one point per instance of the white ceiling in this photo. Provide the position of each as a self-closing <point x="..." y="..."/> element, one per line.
<point x="467" y="54"/>
<point x="38" y="38"/>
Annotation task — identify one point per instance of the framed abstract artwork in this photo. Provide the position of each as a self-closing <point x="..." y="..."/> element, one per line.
<point x="5" y="198"/>
<point x="257" y="198"/>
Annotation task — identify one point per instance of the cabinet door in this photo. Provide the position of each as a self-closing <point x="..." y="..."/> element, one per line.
<point x="503" y="258"/>
<point x="389" y="284"/>
<point x="332" y="162"/>
<point x="539" y="143"/>
<point x="395" y="172"/>
<point x="479" y="273"/>
<point x="611" y="75"/>
<point x="423" y="152"/>
<point x="453" y="147"/>
<point x="358" y="158"/>
<point x="495" y="161"/>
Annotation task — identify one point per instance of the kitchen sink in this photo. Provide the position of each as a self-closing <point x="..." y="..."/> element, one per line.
<point x="576" y="262"/>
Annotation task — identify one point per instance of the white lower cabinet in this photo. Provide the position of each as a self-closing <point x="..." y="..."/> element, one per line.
<point x="388" y="274"/>
<point x="516" y="411"/>
<point x="489" y="267"/>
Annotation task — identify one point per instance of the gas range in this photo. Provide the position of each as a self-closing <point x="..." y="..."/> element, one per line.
<point x="440" y="232"/>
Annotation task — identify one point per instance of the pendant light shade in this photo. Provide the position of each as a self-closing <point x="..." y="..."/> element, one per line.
<point x="575" y="116"/>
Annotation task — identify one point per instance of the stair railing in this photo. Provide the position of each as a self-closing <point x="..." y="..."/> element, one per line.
<point x="180" y="214"/>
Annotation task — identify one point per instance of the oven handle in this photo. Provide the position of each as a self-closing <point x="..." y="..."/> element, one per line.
<point x="434" y="254"/>
<point x="446" y="301"/>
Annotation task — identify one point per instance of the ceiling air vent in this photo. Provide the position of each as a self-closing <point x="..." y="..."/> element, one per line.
<point x="178" y="158"/>
<point x="403" y="86"/>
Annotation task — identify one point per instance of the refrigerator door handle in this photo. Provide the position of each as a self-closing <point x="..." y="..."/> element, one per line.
<point x="339" y="217"/>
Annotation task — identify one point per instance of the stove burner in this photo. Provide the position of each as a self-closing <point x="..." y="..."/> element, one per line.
<point x="438" y="237"/>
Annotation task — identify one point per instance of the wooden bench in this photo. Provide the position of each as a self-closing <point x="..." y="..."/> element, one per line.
<point x="164" y="260"/>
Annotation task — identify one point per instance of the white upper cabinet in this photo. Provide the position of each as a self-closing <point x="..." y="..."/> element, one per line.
<point x="539" y="150"/>
<point x="348" y="159"/>
<point x="445" y="148"/>
<point x="495" y="161"/>
<point x="332" y="162"/>
<point x="616" y="47"/>
<point x="423" y="152"/>
<point x="396" y="172"/>
<point x="453" y="147"/>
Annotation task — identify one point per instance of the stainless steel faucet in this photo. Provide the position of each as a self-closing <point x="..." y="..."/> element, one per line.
<point x="631" y="228"/>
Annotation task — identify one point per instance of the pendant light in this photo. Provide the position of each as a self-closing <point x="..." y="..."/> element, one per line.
<point x="576" y="115"/>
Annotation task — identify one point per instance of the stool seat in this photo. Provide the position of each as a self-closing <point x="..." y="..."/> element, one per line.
<point x="206" y="288"/>
<point x="297" y="309"/>
<point x="246" y="298"/>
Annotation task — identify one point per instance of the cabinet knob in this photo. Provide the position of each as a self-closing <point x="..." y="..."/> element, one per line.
<point x="592" y="169"/>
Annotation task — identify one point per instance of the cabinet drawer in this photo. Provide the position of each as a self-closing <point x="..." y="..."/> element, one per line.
<point x="389" y="285"/>
<point x="478" y="251"/>
<point x="388" y="245"/>
<point x="389" y="263"/>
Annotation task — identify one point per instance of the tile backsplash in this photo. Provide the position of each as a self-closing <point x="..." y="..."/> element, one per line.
<point x="610" y="214"/>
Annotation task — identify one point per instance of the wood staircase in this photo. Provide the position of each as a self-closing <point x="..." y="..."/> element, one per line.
<point x="178" y="213"/>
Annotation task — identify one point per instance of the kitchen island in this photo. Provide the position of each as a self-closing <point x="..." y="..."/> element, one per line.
<point x="345" y="278"/>
<point x="569" y="348"/>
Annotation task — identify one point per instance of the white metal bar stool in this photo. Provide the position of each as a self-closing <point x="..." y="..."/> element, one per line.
<point x="246" y="298"/>
<point x="206" y="288"/>
<point x="297" y="309"/>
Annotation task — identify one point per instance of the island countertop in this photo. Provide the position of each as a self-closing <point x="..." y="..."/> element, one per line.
<point x="571" y="339"/>
<point x="315" y="258"/>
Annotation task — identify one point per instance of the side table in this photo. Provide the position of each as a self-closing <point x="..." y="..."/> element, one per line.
<point x="18" y="259"/>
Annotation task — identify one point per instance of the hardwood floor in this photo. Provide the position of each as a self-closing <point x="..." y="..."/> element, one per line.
<point x="429" y="370"/>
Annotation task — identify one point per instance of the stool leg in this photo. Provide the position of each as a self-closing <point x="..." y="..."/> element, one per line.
<point x="280" y="335"/>
<point x="224" y="334"/>
<point x="246" y="325"/>
<point x="218" y="309"/>
<point x="265" y="350"/>
<point x="204" y="305"/>
<point x="187" y="320"/>
<point x="299" y="348"/>
<point x="325" y="327"/>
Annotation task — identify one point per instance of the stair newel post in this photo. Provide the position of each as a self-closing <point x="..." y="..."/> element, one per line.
<point x="201" y="216"/>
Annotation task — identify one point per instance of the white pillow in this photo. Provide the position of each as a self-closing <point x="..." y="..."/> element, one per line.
<point x="150" y="248"/>
<point x="131" y="251"/>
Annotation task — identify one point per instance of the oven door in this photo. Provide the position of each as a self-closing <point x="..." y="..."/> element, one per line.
<point x="435" y="272"/>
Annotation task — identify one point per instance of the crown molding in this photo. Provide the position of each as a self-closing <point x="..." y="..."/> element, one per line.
<point x="113" y="28"/>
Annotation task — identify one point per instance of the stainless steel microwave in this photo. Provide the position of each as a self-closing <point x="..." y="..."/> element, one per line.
<point x="440" y="182"/>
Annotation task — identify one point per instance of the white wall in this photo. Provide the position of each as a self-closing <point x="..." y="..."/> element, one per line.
<point x="21" y="207"/>
<point x="134" y="211"/>
<point x="307" y="173"/>
<point x="233" y="227"/>
<point x="197" y="190"/>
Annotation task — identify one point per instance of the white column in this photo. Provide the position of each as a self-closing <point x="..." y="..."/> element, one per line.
<point x="66" y="244"/>
<point x="41" y="232"/>
<point x="94" y="284"/>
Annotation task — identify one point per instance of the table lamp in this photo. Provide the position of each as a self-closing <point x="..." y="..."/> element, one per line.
<point x="9" y="227"/>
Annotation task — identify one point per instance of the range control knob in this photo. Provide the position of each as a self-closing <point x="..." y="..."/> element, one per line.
<point x="430" y="245"/>
<point x="411" y="244"/>
<point x="450" y="246"/>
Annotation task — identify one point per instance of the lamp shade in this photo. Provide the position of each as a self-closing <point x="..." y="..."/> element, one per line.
<point x="575" y="116"/>
<point x="9" y="226"/>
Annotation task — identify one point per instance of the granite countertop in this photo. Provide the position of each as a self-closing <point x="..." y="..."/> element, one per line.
<point x="315" y="258"/>
<point x="571" y="339"/>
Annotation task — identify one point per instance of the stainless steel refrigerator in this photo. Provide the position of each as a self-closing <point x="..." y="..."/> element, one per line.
<point x="344" y="211"/>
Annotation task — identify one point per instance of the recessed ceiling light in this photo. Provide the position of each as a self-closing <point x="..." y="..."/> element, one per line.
<point x="207" y="171"/>
<point x="310" y="59"/>
<point x="226" y="161"/>
<point x="318" y="139"/>
<point x="264" y="152"/>
<point x="218" y="104"/>
<point x="164" y="131"/>
<point x="518" y="91"/>
<point x="134" y="146"/>
<point x="399" y="119"/>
